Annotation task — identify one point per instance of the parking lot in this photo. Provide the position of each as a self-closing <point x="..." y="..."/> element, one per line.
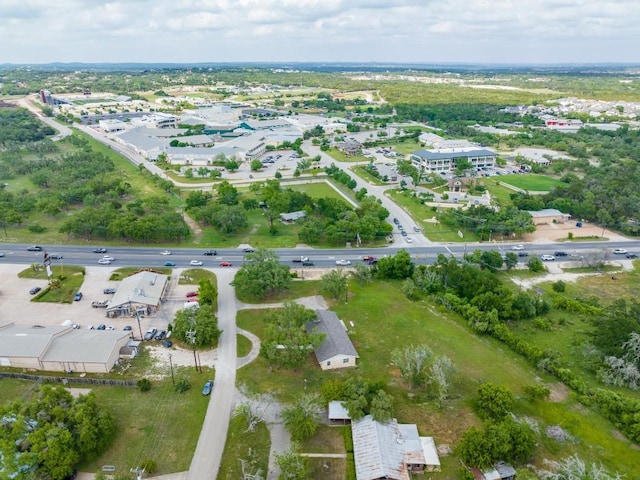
<point x="16" y="305"/>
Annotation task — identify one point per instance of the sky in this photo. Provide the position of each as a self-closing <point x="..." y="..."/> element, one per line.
<point x="399" y="31"/>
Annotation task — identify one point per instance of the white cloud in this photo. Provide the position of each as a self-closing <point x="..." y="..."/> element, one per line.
<point x="321" y="30"/>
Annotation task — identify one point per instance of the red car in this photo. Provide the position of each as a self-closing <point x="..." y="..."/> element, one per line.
<point x="191" y="294"/>
<point x="225" y="264"/>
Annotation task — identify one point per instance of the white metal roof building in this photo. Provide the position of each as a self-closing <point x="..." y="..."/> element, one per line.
<point x="140" y="292"/>
<point x="58" y="348"/>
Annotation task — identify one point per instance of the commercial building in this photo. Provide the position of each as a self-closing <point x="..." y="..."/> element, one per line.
<point x="445" y="160"/>
<point x="140" y="294"/>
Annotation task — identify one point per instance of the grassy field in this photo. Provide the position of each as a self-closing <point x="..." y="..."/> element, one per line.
<point x="298" y="289"/>
<point x="341" y="157"/>
<point x="253" y="447"/>
<point x="192" y="276"/>
<point x="531" y="182"/>
<point x="363" y="173"/>
<point x="317" y="190"/>
<point x="384" y="320"/>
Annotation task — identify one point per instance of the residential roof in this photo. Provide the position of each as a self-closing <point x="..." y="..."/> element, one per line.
<point x="429" y="155"/>
<point x="143" y="288"/>
<point x="382" y="450"/>
<point x="430" y="451"/>
<point x="88" y="346"/>
<point x="27" y="340"/>
<point x="337" y="342"/>
<point x="337" y="411"/>
<point x="293" y="216"/>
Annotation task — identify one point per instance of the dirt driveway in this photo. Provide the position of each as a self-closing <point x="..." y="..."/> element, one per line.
<point x="555" y="232"/>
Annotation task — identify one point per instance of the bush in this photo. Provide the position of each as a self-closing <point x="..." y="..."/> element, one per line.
<point x="182" y="385"/>
<point x="149" y="466"/>
<point x="559" y="286"/>
<point x="144" y="384"/>
<point x="537" y="392"/>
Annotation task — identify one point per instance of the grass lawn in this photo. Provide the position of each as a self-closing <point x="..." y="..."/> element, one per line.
<point x="532" y="182"/>
<point x="297" y="289"/>
<point x="363" y="173"/>
<point x="72" y="279"/>
<point x="124" y="272"/>
<point x="253" y="447"/>
<point x="385" y="320"/>
<point x="192" y="276"/>
<point x="243" y="346"/>
<point x="341" y="157"/>
<point x="499" y="193"/>
<point x="317" y="190"/>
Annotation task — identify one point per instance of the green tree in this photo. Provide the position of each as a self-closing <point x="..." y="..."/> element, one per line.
<point x="491" y="260"/>
<point x="231" y="165"/>
<point x="207" y="293"/>
<point x="334" y="283"/>
<point x="202" y="321"/>
<point x="381" y="406"/>
<point x="535" y="265"/>
<point x="262" y="276"/>
<point x="413" y="362"/>
<point x="494" y="401"/>
<point x="292" y="465"/>
<point x="227" y="193"/>
<point x="303" y="417"/>
<point x="398" y="266"/>
<point x="510" y="260"/>
<point x="255" y="165"/>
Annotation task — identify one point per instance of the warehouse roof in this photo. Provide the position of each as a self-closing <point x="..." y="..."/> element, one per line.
<point x="27" y="340"/>
<point x="87" y="346"/>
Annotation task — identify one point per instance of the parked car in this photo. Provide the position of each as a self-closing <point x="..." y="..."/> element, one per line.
<point x="206" y="390"/>
<point x="560" y="254"/>
<point x="165" y="252"/>
<point x="169" y="264"/>
<point x="632" y="255"/>
<point x="225" y="264"/>
<point x="102" y="326"/>
<point x="34" y="248"/>
<point x="343" y="263"/>
<point x="99" y="250"/>
<point x="75" y="326"/>
<point x="34" y="290"/>
<point x="77" y="297"/>
<point x="127" y="328"/>
<point x="160" y="335"/>
<point x="196" y="263"/>
<point x="517" y="247"/>
<point x="416" y="229"/>
<point x="55" y="256"/>
<point x="109" y="291"/>
<point x="547" y="258"/>
<point x="210" y="253"/>
<point x="191" y="294"/>
<point x="100" y="304"/>
<point x="408" y="239"/>
<point x="167" y="343"/>
<point x="620" y="251"/>
<point x="150" y="333"/>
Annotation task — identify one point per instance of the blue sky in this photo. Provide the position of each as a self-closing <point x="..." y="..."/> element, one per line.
<point x="471" y="31"/>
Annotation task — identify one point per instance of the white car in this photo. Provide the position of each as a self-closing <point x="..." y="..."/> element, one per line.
<point x="343" y="263"/>
<point x="517" y="247"/>
<point x="620" y="251"/>
<point x="408" y="239"/>
<point x="196" y="263"/>
<point x="547" y="258"/>
<point x="166" y="252"/>
<point x="107" y="257"/>
<point x="104" y="261"/>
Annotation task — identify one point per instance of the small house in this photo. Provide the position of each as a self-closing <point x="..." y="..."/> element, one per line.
<point x="292" y="217"/>
<point x="336" y="351"/>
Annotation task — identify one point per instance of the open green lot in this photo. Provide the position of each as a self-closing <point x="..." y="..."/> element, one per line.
<point x="385" y="320"/>
<point x="531" y="182"/>
<point x="66" y="282"/>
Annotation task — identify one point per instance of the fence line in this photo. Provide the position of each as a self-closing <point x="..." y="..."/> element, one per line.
<point x="66" y="380"/>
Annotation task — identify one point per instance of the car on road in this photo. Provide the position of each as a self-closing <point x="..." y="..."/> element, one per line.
<point x="620" y="251"/>
<point x="149" y="334"/>
<point x="34" y="248"/>
<point x="547" y="258"/>
<point x="210" y="253"/>
<point x="127" y="328"/>
<point x="522" y="253"/>
<point x="343" y="263"/>
<point x="225" y="264"/>
<point x="408" y="239"/>
<point x="99" y="250"/>
<point x="55" y="256"/>
<point x="307" y="263"/>
<point x="107" y="257"/>
<point x="169" y="264"/>
<point x="208" y="386"/>
<point x="632" y="255"/>
<point x="104" y="261"/>
<point x="109" y="291"/>
<point x="300" y="259"/>
<point x="165" y="252"/>
<point x="416" y="229"/>
<point x="517" y="247"/>
<point x="77" y="297"/>
<point x="196" y="263"/>
<point x="160" y="335"/>
<point x="560" y="254"/>
<point x="191" y="294"/>
<point x="248" y="250"/>
<point x="34" y="290"/>
<point x="1" y="254"/>
<point x="404" y="233"/>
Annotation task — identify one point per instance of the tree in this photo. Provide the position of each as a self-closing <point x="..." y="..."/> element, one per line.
<point x="494" y="401"/>
<point x="287" y="342"/>
<point x="535" y="265"/>
<point x="262" y="275"/>
<point x="303" y="417"/>
<point x="381" y="406"/>
<point x="227" y="193"/>
<point x="334" y="284"/>
<point x="202" y="321"/>
<point x="278" y="175"/>
<point x="363" y="273"/>
<point x="510" y="260"/>
<point x="413" y="361"/>
<point x="207" y="293"/>
<point x="255" y="165"/>
<point x="574" y="468"/>
<point x="292" y="465"/>
<point x="398" y="266"/>
<point x="231" y="165"/>
<point x="491" y="260"/>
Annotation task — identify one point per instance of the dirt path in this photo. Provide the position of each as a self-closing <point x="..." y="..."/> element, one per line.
<point x="195" y="228"/>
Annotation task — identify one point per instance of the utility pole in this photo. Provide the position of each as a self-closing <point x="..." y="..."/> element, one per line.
<point x="173" y="380"/>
